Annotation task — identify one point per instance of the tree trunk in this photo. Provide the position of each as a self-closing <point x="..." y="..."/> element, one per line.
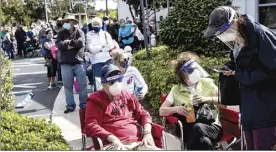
<point x="130" y="10"/>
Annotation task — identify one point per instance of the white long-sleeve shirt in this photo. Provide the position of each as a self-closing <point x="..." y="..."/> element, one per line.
<point x="133" y="79"/>
<point x="99" y="45"/>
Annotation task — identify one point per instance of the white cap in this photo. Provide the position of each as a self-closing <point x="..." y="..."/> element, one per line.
<point x="127" y="49"/>
<point x="96" y="22"/>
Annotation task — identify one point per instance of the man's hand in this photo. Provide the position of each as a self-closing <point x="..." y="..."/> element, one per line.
<point x="118" y="145"/>
<point x="148" y="140"/>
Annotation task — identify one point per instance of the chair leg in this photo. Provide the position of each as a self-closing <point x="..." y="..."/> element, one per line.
<point x="83" y="140"/>
<point x="182" y="135"/>
<point x="234" y="141"/>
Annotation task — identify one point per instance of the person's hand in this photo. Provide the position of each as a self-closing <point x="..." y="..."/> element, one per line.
<point x="67" y="41"/>
<point x="118" y="145"/>
<point x="140" y="96"/>
<point x="148" y="140"/>
<point x="197" y="99"/>
<point x="181" y="110"/>
<point x="228" y="73"/>
<point x="70" y="47"/>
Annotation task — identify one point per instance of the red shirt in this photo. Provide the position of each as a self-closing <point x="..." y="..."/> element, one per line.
<point x="120" y="117"/>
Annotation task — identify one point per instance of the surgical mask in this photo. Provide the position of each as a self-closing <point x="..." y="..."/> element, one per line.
<point x="122" y="24"/>
<point x="194" y="77"/>
<point x="115" y="89"/>
<point x="50" y="36"/>
<point x="106" y="22"/>
<point x="96" y="29"/>
<point x="67" y="26"/>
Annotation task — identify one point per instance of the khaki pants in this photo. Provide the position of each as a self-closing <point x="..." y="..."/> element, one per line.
<point x="133" y="146"/>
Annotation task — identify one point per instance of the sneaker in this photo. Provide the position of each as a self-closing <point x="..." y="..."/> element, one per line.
<point x="68" y="110"/>
<point x="49" y="86"/>
<point x="59" y="82"/>
<point x="54" y="85"/>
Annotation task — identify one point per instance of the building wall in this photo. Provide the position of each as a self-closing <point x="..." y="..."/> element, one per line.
<point x="123" y="11"/>
<point x="249" y="7"/>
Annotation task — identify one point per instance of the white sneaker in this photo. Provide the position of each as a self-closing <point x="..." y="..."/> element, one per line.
<point x="59" y="82"/>
<point x="50" y="86"/>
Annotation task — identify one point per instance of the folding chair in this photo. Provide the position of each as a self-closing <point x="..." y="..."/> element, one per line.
<point x="173" y="121"/>
<point x="231" y="130"/>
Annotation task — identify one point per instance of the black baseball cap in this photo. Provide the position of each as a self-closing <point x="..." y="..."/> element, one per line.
<point x="110" y="73"/>
<point x="217" y="19"/>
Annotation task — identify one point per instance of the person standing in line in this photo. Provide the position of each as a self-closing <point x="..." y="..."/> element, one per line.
<point x="52" y="67"/>
<point x="70" y="42"/>
<point x="126" y="35"/>
<point x="59" y="28"/>
<point x="99" y="44"/>
<point x="20" y="36"/>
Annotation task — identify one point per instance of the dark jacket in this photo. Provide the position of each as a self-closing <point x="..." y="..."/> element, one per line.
<point x="20" y="35"/>
<point x="74" y="55"/>
<point x="256" y="72"/>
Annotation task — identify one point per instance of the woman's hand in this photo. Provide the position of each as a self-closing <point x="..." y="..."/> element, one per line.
<point x="228" y="73"/>
<point x="181" y="110"/>
<point x="197" y="99"/>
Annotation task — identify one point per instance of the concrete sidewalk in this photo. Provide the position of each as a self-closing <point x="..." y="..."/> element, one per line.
<point x="68" y="123"/>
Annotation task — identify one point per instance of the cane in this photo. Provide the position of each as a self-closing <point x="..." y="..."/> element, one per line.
<point x="242" y="137"/>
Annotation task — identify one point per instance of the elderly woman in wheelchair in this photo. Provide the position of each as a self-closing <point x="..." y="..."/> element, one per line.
<point x="193" y="100"/>
<point x="115" y="116"/>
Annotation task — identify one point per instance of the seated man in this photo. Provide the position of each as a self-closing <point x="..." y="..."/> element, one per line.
<point x="113" y="114"/>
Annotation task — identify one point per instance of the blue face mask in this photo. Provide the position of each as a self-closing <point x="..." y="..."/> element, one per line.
<point x="96" y="29"/>
<point x="125" y="63"/>
<point x="67" y="26"/>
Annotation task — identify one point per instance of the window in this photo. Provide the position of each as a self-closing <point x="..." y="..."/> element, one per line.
<point x="267" y="13"/>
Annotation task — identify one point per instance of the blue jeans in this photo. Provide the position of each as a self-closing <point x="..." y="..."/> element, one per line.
<point x="68" y="74"/>
<point x="96" y="68"/>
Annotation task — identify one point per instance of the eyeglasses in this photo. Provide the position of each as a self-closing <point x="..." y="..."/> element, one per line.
<point x="125" y="60"/>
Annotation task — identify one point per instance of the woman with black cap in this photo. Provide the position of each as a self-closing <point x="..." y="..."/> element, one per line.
<point x="254" y="52"/>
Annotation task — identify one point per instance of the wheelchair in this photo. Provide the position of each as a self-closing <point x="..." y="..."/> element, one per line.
<point x="231" y="128"/>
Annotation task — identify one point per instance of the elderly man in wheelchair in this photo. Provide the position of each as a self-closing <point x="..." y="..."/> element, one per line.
<point x="116" y="117"/>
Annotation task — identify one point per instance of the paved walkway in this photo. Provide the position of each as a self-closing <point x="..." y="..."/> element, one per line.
<point x="68" y="123"/>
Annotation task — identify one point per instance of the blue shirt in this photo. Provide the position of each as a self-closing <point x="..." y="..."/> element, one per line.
<point x="126" y="31"/>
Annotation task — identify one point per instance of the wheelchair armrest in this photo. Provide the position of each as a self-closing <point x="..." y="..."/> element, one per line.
<point x="171" y="119"/>
<point x="100" y="143"/>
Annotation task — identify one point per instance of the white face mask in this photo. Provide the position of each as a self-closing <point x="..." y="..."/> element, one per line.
<point x="115" y="89"/>
<point x="228" y="37"/>
<point x="194" y="77"/>
<point x="106" y="22"/>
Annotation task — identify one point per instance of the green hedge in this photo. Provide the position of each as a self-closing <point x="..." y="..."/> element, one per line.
<point x="24" y="133"/>
<point x="159" y="77"/>
<point x="20" y="132"/>
<point x="7" y="99"/>
<point x="184" y="26"/>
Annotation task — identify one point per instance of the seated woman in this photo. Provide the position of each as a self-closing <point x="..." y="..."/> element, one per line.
<point x="189" y="100"/>
<point x="133" y="81"/>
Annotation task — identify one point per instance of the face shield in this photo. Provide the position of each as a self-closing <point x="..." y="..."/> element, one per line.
<point x="228" y="33"/>
<point x="193" y="71"/>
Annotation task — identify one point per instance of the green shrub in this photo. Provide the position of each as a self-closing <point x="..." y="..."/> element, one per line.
<point x="7" y="99"/>
<point x="23" y="133"/>
<point x="184" y="26"/>
<point x="159" y="77"/>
